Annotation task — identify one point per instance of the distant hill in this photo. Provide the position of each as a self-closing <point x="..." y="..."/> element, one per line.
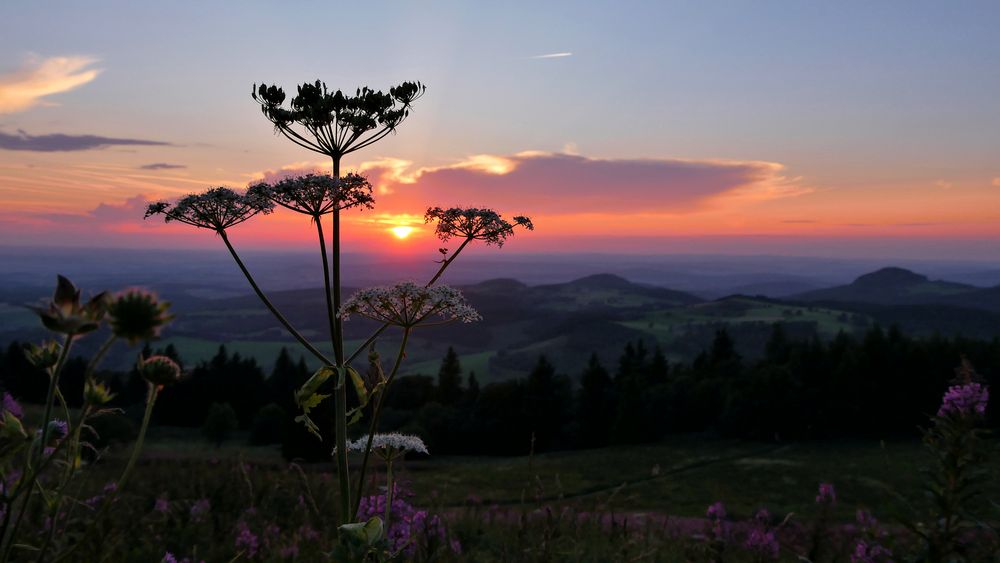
<point x="891" y="286"/>
<point x="566" y="321"/>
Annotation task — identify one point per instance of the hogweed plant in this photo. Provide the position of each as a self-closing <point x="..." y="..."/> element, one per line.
<point x="39" y="467"/>
<point x="335" y="124"/>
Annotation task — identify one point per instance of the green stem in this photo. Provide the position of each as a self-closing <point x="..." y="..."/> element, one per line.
<point x="337" y="334"/>
<point x="154" y="391"/>
<point x="53" y="383"/>
<point x="126" y="473"/>
<point x="373" y="425"/>
<point x="270" y="306"/>
<point x="49" y="400"/>
<point x="99" y="356"/>
<point x="330" y="311"/>
<point x="388" y="493"/>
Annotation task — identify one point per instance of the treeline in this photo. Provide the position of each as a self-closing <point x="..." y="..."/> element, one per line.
<point x="880" y="385"/>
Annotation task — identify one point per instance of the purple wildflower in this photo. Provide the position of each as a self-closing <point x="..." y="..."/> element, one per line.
<point x="199" y="509"/>
<point x="865" y="520"/>
<point x="762" y="517"/>
<point x="965" y="400"/>
<point x="870" y="552"/>
<point x="8" y="404"/>
<point x="168" y="558"/>
<point x="308" y="533"/>
<point x="162" y="505"/>
<point x="716" y="511"/>
<point x="763" y="543"/>
<point x="246" y="540"/>
<point x="826" y="494"/>
<point x="410" y="528"/>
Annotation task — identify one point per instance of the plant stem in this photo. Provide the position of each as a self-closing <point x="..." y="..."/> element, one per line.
<point x="53" y="383"/>
<point x="49" y="400"/>
<point x="388" y="493"/>
<point x="373" y="426"/>
<point x="330" y="311"/>
<point x="274" y="310"/>
<point x="337" y="334"/>
<point x="448" y="261"/>
<point x="154" y="391"/>
<point x="340" y="429"/>
<point x="99" y="356"/>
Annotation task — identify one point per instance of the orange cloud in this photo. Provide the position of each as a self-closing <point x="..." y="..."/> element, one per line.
<point x="558" y="183"/>
<point x="25" y="88"/>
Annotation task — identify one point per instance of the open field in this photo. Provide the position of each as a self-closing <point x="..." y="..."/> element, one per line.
<point x="680" y="477"/>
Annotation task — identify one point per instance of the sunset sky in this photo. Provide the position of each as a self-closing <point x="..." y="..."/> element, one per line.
<point x="640" y="127"/>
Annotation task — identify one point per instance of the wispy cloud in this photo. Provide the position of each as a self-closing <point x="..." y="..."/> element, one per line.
<point x="60" y="142"/>
<point x="161" y="166"/>
<point x="996" y="181"/>
<point x="553" y="55"/>
<point x="25" y="88"/>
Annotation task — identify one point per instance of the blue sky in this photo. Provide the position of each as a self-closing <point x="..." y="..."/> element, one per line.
<point x="858" y="99"/>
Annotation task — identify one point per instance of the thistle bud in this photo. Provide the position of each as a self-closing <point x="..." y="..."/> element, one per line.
<point x="159" y="370"/>
<point x="11" y="429"/>
<point x="65" y="314"/>
<point x="43" y="356"/>
<point x="137" y="315"/>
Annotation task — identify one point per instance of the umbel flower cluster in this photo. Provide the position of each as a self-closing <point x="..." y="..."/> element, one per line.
<point x="316" y="194"/>
<point x="217" y="209"/>
<point x="390" y="445"/>
<point x="408" y="305"/>
<point x="474" y="224"/>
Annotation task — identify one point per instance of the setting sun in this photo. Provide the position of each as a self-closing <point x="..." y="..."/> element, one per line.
<point x="402" y="232"/>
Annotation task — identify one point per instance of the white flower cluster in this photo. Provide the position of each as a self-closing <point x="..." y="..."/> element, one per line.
<point x="391" y="441"/>
<point x="408" y="304"/>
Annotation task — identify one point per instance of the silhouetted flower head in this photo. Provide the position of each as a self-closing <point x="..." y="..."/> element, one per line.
<point x="473" y="223"/>
<point x="159" y="370"/>
<point x="317" y="194"/>
<point x="826" y="494"/>
<point x="408" y="305"/>
<point x="969" y="399"/>
<point x="65" y="314"/>
<point x="216" y="209"/>
<point x="136" y="314"/>
<point x="334" y="123"/>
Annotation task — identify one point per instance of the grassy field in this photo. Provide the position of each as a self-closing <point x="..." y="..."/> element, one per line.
<point x="678" y="477"/>
<point x="667" y="325"/>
